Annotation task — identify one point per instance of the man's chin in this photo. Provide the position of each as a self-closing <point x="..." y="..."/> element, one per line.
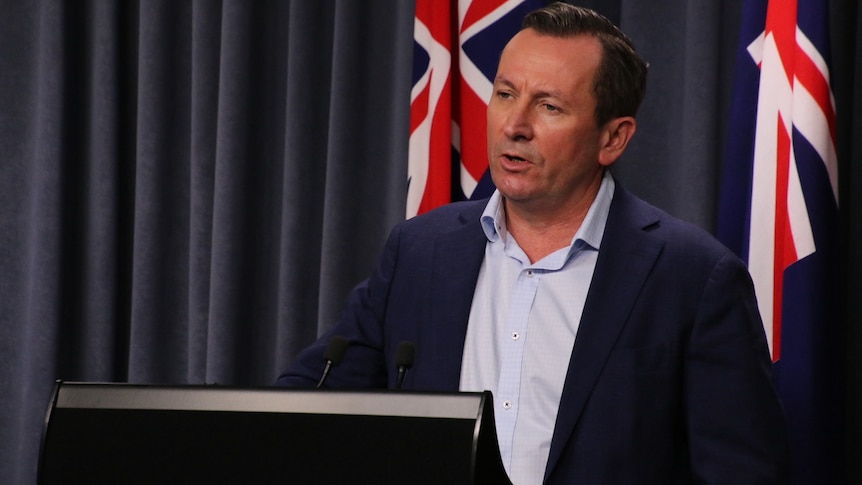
<point x="517" y="195"/>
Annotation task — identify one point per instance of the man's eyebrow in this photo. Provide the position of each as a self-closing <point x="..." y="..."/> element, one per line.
<point x="504" y="81"/>
<point x="544" y="93"/>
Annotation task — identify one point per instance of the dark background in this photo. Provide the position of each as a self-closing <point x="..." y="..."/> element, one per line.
<point x="189" y="189"/>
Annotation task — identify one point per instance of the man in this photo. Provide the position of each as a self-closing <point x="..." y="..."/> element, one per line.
<point x="621" y="345"/>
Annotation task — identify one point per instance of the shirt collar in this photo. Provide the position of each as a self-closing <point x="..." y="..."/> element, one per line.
<point x="591" y="230"/>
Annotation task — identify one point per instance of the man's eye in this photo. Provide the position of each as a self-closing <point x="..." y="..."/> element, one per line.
<point x="550" y="107"/>
<point x="504" y="95"/>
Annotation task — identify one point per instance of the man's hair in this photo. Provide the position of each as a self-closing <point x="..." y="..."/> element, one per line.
<point x="620" y="81"/>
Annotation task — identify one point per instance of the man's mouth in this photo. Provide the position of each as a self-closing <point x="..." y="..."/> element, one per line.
<point x="513" y="158"/>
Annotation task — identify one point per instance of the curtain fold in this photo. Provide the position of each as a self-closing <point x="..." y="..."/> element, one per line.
<point x="189" y="189"/>
<point x="180" y="185"/>
<point x="679" y="141"/>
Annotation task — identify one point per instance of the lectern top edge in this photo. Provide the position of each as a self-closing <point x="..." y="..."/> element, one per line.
<point x="78" y="395"/>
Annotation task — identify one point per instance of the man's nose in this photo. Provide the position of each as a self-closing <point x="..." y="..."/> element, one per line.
<point x="519" y="122"/>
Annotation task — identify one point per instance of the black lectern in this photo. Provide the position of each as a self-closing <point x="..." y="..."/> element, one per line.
<point x="121" y="433"/>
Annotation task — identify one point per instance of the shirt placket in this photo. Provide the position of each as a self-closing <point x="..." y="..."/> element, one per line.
<point x="509" y="385"/>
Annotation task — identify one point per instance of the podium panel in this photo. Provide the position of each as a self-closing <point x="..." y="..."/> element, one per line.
<point x="120" y="433"/>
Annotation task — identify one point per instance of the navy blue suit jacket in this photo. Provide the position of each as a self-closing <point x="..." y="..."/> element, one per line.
<point x="669" y="380"/>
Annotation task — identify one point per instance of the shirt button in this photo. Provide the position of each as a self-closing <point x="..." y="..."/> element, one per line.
<point x="516" y="335"/>
<point x="529" y="273"/>
<point x="507" y="404"/>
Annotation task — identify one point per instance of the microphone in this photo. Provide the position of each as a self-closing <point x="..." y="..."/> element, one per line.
<point x="334" y="353"/>
<point x="403" y="361"/>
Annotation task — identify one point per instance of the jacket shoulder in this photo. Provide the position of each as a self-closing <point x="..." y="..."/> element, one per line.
<point x="446" y="217"/>
<point x="673" y="231"/>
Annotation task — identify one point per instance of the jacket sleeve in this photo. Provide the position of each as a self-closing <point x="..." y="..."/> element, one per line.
<point x="735" y="422"/>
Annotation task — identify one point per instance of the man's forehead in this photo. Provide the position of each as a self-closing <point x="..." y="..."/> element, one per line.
<point x="532" y="54"/>
<point x="531" y="43"/>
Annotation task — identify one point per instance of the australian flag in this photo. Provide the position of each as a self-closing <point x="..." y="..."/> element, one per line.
<point x="457" y="44"/>
<point x="779" y="212"/>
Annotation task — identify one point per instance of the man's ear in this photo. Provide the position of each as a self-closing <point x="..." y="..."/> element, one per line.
<point x="615" y="138"/>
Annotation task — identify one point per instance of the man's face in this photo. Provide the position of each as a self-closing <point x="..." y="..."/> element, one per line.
<point x="543" y="141"/>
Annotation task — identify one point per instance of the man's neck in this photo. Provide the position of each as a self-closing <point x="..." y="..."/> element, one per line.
<point x="541" y="232"/>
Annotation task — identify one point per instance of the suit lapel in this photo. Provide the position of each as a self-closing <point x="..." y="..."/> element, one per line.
<point x="458" y="255"/>
<point x="625" y="258"/>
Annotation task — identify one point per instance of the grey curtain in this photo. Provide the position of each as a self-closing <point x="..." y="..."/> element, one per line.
<point x="188" y="189"/>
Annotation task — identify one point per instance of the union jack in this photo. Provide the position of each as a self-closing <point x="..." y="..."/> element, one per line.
<point x="779" y="212"/>
<point x="450" y="94"/>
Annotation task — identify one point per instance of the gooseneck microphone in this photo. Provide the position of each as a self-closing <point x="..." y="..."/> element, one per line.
<point x="404" y="356"/>
<point x="334" y="353"/>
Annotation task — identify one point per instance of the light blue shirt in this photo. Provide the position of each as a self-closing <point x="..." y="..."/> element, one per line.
<point x="522" y="328"/>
